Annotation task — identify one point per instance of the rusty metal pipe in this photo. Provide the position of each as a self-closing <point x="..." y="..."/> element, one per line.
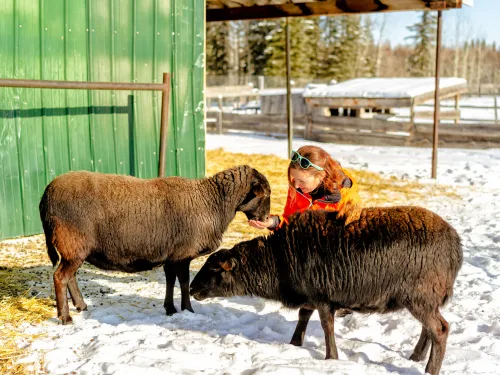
<point x="165" y="99"/>
<point x="78" y="85"/>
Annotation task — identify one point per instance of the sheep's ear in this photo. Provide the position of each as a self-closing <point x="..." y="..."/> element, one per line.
<point x="257" y="184"/>
<point x="228" y="265"/>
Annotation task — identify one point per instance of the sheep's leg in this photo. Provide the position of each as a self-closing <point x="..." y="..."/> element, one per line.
<point x="169" y="269"/>
<point x="438" y="331"/>
<point x="64" y="272"/>
<point x="327" y="319"/>
<point x="300" y="330"/>
<point x="182" y="271"/>
<point x="76" y="294"/>
<point x="422" y="346"/>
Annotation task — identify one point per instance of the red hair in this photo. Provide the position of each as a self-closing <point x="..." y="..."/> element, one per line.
<point x="332" y="174"/>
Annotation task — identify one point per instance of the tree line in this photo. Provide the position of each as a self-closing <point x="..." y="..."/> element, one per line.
<point x="345" y="47"/>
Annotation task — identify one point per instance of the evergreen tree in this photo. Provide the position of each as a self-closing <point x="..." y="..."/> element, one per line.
<point x="275" y="50"/>
<point x="217" y="53"/>
<point x="420" y="62"/>
<point x="258" y="42"/>
<point x="348" y="47"/>
<point x="304" y="37"/>
<point x="367" y="57"/>
<point x="328" y="59"/>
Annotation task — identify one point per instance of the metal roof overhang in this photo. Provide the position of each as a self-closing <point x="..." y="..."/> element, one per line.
<point x="231" y="10"/>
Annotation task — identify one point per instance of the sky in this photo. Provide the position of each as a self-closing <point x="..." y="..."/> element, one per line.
<point x="479" y="21"/>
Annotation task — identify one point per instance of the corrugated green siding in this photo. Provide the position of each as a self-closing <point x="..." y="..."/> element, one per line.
<point x="44" y="133"/>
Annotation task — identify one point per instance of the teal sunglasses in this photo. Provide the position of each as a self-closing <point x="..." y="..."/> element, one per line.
<point x="303" y="162"/>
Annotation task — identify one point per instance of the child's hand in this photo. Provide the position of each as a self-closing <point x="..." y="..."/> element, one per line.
<point x="261" y="224"/>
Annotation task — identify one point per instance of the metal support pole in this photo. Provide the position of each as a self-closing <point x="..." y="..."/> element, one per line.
<point x="165" y="99"/>
<point x="80" y="85"/>
<point x="289" y="109"/>
<point x="435" y="139"/>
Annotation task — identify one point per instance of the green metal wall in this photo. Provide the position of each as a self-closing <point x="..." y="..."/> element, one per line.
<point x="44" y="133"/>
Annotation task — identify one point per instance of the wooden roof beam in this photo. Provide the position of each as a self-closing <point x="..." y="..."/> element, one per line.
<point x="218" y="10"/>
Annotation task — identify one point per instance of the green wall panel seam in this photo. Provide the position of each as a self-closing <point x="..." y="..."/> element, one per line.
<point x="156" y="79"/>
<point x="134" y="93"/>
<point x="44" y="135"/>
<point x="66" y="102"/>
<point x="194" y="105"/>
<point x="89" y="92"/>
<point x="18" y="120"/>
<point x="113" y="93"/>
<point x="173" y="84"/>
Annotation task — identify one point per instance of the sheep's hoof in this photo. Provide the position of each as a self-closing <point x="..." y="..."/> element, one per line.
<point x="188" y="309"/>
<point x="81" y="308"/>
<point x="171" y="310"/>
<point x="417" y="357"/>
<point x="331" y="356"/>
<point x="66" y="320"/>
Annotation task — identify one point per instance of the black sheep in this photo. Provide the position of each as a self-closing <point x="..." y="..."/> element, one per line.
<point x="129" y="224"/>
<point x="389" y="259"/>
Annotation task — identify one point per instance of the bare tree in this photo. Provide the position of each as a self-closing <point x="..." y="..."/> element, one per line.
<point x="458" y="29"/>
<point x="381" y="30"/>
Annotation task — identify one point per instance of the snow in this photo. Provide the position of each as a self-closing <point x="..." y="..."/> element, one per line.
<point x="280" y="91"/>
<point x="125" y="330"/>
<point x="373" y="88"/>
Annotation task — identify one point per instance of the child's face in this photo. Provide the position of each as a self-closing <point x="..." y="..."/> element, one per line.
<point x="304" y="180"/>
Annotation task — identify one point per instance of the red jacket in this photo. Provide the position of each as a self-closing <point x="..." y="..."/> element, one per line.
<point x="299" y="202"/>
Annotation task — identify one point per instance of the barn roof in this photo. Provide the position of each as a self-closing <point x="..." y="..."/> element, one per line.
<point x="226" y="10"/>
<point x="394" y="88"/>
<point x="397" y="91"/>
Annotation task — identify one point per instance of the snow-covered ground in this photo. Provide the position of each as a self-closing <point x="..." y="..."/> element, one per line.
<point x="125" y="330"/>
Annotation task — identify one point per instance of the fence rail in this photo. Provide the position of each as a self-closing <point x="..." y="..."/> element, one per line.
<point x="358" y="131"/>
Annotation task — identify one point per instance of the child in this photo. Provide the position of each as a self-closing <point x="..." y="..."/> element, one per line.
<point x="317" y="182"/>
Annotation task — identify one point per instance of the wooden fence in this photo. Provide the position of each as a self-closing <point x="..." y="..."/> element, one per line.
<point x="353" y="130"/>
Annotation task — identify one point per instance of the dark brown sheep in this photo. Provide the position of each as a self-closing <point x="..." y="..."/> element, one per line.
<point x="129" y="224"/>
<point x="389" y="259"/>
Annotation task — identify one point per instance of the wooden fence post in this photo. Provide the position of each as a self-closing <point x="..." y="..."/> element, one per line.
<point x="496" y="109"/>
<point x="219" y="115"/>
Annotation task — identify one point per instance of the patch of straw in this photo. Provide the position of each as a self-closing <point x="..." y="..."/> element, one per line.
<point x="21" y="269"/>
<point x="15" y="314"/>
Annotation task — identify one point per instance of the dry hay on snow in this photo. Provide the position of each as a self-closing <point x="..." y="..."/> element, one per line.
<point x="26" y="272"/>
<point x="24" y="269"/>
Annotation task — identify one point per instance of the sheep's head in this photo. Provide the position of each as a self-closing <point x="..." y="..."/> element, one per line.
<point x="257" y="202"/>
<point x="219" y="276"/>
